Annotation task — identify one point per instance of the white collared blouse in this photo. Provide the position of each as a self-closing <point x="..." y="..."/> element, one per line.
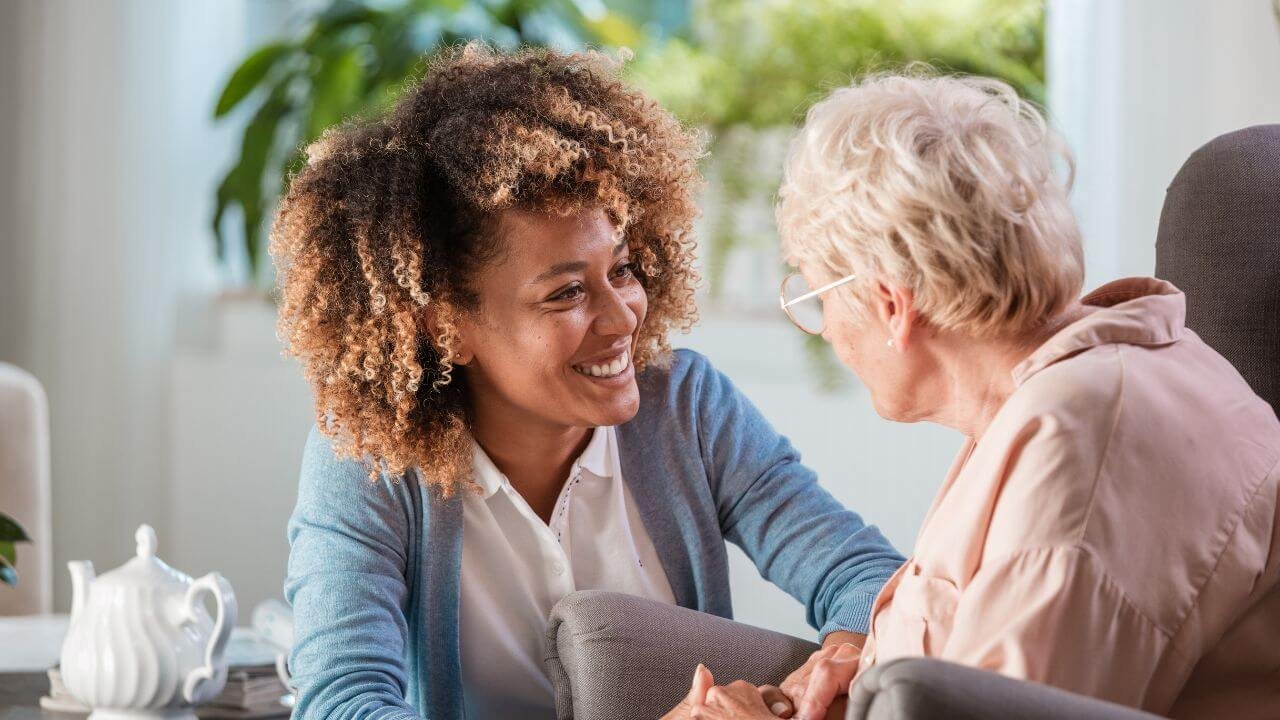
<point x="515" y="567"/>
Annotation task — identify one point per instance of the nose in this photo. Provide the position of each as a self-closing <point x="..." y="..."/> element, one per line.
<point x="614" y="314"/>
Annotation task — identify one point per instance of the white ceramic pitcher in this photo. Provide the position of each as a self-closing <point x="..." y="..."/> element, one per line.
<point x="141" y="643"/>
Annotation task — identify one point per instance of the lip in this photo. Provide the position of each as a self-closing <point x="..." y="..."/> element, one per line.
<point x="613" y="381"/>
<point x="609" y="354"/>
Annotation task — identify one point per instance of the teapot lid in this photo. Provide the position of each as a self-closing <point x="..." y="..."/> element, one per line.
<point x="145" y="569"/>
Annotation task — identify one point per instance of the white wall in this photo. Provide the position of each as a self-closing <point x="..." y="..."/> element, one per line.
<point x="1136" y="86"/>
<point x="112" y="167"/>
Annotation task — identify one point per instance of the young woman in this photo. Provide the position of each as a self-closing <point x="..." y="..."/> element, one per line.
<point x="479" y="286"/>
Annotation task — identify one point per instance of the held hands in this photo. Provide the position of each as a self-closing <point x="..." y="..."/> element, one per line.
<point x="736" y="701"/>
<point x="809" y="693"/>
<point x="824" y="677"/>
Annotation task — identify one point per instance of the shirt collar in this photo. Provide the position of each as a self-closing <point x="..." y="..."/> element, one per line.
<point x="596" y="459"/>
<point x="1134" y="311"/>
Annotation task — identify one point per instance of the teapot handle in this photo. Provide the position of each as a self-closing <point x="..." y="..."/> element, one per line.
<point x="225" y="597"/>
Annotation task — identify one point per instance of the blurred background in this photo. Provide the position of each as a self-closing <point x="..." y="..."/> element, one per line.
<point x="143" y="144"/>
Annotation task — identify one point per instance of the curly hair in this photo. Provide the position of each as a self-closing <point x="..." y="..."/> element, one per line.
<point x="393" y="215"/>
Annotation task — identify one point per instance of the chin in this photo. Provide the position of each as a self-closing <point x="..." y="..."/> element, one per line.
<point x="888" y="412"/>
<point x="622" y="410"/>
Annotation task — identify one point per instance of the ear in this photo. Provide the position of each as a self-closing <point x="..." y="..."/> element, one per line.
<point x="429" y="321"/>
<point x="896" y="308"/>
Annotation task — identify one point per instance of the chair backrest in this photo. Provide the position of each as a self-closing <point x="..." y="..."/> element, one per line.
<point x="1219" y="242"/>
<point x="25" y="491"/>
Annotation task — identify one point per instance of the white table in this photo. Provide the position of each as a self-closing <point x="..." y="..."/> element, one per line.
<point x="31" y="643"/>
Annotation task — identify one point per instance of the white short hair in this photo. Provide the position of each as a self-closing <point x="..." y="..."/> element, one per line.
<point x="946" y="185"/>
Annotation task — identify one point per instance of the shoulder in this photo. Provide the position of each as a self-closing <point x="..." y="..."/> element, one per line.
<point x="329" y="484"/>
<point x="1080" y="390"/>
<point x="1046" y="449"/>
<point x="681" y="368"/>
<point x="684" y="385"/>
<point x="321" y="465"/>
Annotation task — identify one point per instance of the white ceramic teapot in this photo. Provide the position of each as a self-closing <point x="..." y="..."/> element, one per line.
<point x="141" y="643"/>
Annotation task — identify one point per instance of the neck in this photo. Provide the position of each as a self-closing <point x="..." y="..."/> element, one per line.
<point x="976" y="376"/>
<point x="534" y="455"/>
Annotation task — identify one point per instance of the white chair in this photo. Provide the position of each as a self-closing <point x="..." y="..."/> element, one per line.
<point x="25" y="490"/>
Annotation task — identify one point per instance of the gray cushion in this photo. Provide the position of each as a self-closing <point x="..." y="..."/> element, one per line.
<point x="1219" y="242"/>
<point x="921" y="688"/>
<point x="617" y="657"/>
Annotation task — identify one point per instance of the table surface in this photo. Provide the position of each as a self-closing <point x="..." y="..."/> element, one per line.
<point x="20" y="697"/>
<point x="29" y="645"/>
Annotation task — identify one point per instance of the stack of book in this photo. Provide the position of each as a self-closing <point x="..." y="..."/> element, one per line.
<point x="252" y="691"/>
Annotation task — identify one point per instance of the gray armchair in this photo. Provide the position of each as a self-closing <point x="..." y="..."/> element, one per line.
<point x="617" y="657"/>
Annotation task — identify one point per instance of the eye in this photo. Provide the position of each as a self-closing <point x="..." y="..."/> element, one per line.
<point x="625" y="270"/>
<point x="571" y="292"/>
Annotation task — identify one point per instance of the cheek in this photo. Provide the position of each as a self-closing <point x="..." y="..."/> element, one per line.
<point x="639" y="305"/>
<point x="847" y="343"/>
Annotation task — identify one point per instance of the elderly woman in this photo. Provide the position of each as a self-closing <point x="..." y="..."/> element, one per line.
<point x="479" y="286"/>
<point x="1110" y="524"/>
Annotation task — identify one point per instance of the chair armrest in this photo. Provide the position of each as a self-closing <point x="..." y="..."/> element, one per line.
<point x="919" y="688"/>
<point x="616" y="657"/>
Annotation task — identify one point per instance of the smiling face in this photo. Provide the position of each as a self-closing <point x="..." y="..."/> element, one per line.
<point x="559" y="311"/>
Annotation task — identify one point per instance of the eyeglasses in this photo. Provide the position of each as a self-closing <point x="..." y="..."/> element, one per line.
<point x="793" y="298"/>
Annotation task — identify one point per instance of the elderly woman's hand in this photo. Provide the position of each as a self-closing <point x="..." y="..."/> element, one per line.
<point x="824" y="677"/>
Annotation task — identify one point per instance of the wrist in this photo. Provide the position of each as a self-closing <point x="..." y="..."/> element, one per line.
<point x="844" y="637"/>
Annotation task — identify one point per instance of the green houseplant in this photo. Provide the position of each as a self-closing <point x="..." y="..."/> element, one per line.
<point x="11" y="533"/>
<point x="352" y="58"/>
<point x="747" y="72"/>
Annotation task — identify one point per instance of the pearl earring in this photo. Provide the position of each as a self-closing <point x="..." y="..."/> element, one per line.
<point x="889" y="342"/>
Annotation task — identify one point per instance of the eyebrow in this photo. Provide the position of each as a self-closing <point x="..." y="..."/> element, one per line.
<point x="571" y="267"/>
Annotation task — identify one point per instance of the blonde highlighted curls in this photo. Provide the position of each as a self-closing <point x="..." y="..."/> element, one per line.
<point x="947" y="185"/>
<point x="391" y="216"/>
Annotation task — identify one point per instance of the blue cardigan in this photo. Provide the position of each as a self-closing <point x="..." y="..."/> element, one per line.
<point x="374" y="566"/>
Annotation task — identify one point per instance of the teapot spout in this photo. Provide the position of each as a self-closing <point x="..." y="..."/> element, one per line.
<point x="82" y="576"/>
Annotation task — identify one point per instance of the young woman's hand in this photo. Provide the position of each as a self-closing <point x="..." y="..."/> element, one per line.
<point x="739" y="700"/>
<point x="702" y="682"/>
<point x="736" y="701"/>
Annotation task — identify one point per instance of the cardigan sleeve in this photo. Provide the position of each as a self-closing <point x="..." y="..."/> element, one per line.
<point x="771" y="505"/>
<point x="348" y="552"/>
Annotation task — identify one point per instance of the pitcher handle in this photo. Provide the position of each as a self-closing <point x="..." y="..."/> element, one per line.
<point x="225" y="598"/>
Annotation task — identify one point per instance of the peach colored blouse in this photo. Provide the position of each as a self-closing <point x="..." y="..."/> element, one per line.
<point x="1115" y="531"/>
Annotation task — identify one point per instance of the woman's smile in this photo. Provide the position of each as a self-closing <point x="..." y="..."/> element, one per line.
<point x="615" y="367"/>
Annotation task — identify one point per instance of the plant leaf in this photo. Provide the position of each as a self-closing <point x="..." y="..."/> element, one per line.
<point x="8" y="574"/>
<point x="8" y="552"/>
<point x="249" y="74"/>
<point x="616" y="30"/>
<point x="243" y="184"/>
<point x="337" y="18"/>
<point x="335" y="90"/>
<point x="11" y="531"/>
